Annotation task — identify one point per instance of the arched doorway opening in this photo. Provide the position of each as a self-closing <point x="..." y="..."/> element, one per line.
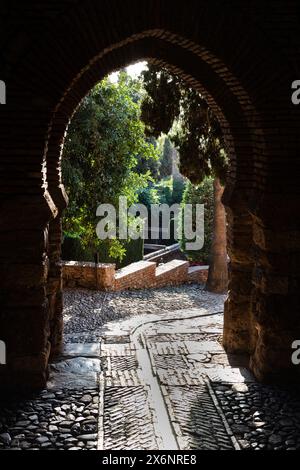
<point x="240" y="96"/>
<point x="235" y="344"/>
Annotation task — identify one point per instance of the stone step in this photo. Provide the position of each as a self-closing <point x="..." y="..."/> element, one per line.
<point x="198" y="274"/>
<point x="172" y="273"/>
<point x="135" y="276"/>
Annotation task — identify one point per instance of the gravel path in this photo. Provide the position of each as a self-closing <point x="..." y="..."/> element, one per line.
<point x="86" y="311"/>
<point x="60" y="420"/>
<point x="148" y="352"/>
<point x="262" y="417"/>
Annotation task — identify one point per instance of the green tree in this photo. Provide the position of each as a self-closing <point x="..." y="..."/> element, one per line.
<point x="104" y="144"/>
<point x="150" y="165"/>
<point x="166" y="161"/>
<point x="197" y="135"/>
<point x="200" y="194"/>
<point x="149" y="195"/>
<point x="179" y="185"/>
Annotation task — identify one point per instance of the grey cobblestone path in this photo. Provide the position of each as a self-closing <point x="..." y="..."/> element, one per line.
<point x="146" y="369"/>
<point x="194" y="415"/>
<point x="128" y="422"/>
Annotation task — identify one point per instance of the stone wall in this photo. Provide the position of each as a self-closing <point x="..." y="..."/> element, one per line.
<point x="140" y="275"/>
<point x="135" y="276"/>
<point x="198" y="274"/>
<point x="88" y="275"/>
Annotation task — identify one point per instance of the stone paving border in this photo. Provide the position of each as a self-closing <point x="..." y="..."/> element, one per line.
<point x="100" y="440"/>
<point x="222" y="416"/>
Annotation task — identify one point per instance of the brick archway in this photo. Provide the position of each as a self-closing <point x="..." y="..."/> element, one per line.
<point x="247" y="83"/>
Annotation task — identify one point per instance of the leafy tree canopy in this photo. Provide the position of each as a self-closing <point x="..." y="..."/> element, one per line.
<point x="104" y="146"/>
<point x="199" y="194"/>
<point x="170" y="106"/>
<point x="166" y="166"/>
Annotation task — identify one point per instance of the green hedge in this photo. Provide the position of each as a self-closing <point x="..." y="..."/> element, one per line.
<point x="201" y="194"/>
<point x="72" y="250"/>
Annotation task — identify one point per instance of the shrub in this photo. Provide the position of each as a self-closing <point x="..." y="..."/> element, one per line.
<point x="73" y="250"/>
<point x="200" y="194"/>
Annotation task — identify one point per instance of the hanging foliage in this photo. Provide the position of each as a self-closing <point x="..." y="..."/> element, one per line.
<point x="161" y="104"/>
<point x="173" y="108"/>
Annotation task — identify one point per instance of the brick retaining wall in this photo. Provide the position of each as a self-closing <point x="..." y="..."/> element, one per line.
<point x="140" y="275"/>
<point x="198" y="274"/>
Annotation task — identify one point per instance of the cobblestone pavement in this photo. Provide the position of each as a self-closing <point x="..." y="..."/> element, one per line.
<point x="62" y="420"/>
<point x="86" y="315"/>
<point x="146" y="370"/>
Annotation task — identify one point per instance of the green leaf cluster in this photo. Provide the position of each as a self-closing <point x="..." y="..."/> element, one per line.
<point x="104" y="146"/>
<point x="171" y="107"/>
<point x="199" y="194"/>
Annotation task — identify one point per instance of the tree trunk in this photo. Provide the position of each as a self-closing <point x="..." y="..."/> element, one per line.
<point x="218" y="271"/>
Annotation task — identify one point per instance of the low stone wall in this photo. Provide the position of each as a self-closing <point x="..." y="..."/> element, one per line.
<point x="171" y="274"/>
<point x="139" y="275"/>
<point x="135" y="276"/>
<point x="198" y="274"/>
<point x="88" y="275"/>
